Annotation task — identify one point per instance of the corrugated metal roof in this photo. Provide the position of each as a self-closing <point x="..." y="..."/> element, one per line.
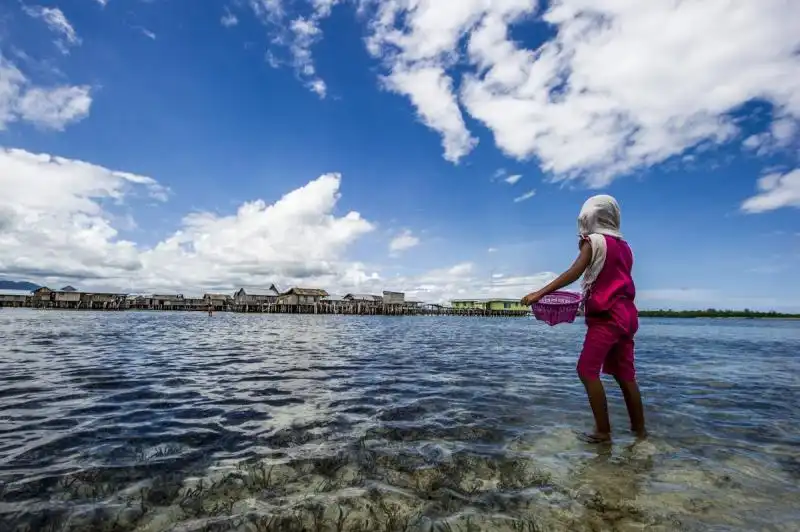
<point x="260" y="292"/>
<point x="364" y="297"/>
<point x="9" y="292"/>
<point x="333" y="298"/>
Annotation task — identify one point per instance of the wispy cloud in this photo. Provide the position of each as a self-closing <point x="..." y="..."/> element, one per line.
<point x="229" y="19"/>
<point x="684" y="298"/>
<point x="272" y="60"/>
<point x="57" y="23"/>
<point x="775" y="191"/>
<point x="299" y="34"/>
<point x="513" y="179"/>
<point x="147" y="33"/>
<point x="528" y="195"/>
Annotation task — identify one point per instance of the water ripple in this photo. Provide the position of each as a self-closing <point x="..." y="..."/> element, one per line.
<point x="173" y="421"/>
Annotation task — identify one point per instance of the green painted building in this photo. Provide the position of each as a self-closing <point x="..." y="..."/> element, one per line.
<point x="468" y="304"/>
<point x="488" y="304"/>
<point x="505" y="304"/>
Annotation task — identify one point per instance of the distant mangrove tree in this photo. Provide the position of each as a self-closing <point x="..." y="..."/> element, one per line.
<point x="715" y="313"/>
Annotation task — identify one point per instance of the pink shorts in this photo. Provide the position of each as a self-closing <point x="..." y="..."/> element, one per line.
<point x="609" y="346"/>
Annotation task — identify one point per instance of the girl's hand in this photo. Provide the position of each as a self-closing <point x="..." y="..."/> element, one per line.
<point x="531" y="299"/>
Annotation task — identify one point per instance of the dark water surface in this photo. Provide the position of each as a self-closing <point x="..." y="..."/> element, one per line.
<point x="173" y="421"/>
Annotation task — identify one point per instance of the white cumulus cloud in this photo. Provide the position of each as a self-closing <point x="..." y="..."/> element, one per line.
<point x="403" y="241"/>
<point x="53" y="219"/>
<point x="431" y="92"/>
<point x="62" y="221"/>
<point x="296" y="239"/>
<point x="46" y="107"/>
<point x="783" y="133"/>
<point x="465" y="280"/>
<point x="619" y="85"/>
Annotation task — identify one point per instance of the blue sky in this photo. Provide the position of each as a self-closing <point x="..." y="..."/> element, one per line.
<point x="425" y="113"/>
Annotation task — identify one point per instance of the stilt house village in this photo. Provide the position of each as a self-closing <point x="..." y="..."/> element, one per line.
<point x="295" y="300"/>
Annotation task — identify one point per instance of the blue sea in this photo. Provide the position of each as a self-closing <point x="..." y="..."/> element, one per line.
<point x="154" y="421"/>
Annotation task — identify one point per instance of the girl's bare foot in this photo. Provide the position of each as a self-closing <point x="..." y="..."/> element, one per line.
<point x="596" y="437"/>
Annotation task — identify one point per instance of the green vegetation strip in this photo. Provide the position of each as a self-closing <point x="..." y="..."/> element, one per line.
<point x="714" y="313"/>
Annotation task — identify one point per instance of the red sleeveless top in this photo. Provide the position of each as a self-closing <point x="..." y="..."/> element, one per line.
<point x="613" y="292"/>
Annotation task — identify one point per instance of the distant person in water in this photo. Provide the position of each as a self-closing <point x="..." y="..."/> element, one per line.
<point x="605" y="261"/>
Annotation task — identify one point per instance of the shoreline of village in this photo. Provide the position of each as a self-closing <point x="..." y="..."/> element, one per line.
<point x="297" y="300"/>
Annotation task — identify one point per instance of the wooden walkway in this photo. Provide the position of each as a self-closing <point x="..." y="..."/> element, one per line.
<point x="358" y="310"/>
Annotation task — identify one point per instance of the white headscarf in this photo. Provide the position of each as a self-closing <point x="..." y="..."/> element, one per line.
<point x="599" y="216"/>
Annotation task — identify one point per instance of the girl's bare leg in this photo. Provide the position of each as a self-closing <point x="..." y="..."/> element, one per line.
<point x="599" y="404"/>
<point x="633" y="402"/>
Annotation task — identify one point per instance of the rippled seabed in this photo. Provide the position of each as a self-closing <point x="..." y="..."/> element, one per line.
<point x="172" y="421"/>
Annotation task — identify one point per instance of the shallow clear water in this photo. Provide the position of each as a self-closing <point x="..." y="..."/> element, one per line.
<point x="173" y="421"/>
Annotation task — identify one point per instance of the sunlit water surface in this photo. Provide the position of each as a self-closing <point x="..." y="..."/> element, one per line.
<point x="177" y="421"/>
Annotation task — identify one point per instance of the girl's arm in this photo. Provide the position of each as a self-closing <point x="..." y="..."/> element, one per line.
<point x="565" y="279"/>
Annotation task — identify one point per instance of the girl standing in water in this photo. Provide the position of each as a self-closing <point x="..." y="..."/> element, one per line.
<point x="605" y="261"/>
